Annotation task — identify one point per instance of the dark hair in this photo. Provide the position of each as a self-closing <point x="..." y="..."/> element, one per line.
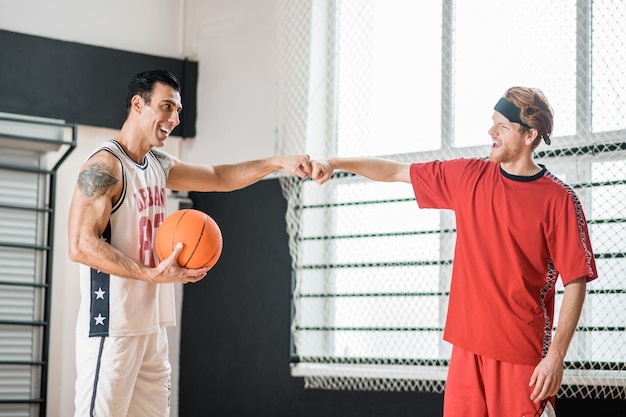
<point x="142" y="84"/>
<point x="536" y="112"/>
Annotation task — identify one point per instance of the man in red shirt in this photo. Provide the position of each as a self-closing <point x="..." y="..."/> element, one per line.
<point x="518" y="228"/>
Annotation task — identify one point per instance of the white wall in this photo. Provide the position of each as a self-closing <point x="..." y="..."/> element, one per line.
<point x="233" y="41"/>
<point x="145" y="26"/>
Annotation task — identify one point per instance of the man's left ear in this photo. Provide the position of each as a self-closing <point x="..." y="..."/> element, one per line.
<point x="137" y="103"/>
<point x="531" y="136"/>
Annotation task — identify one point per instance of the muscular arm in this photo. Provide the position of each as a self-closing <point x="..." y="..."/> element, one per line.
<point x="548" y="374"/>
<point x="98" y="187"/>
<point x="371" y="168"/>
<point x="195" y="177"/>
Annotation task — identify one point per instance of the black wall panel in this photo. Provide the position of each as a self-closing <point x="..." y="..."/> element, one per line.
<point x="234" y="357"/>
<point x="80" y="83"/>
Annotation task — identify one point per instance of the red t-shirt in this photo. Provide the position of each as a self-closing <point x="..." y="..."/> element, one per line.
<point x="515" y="236"/>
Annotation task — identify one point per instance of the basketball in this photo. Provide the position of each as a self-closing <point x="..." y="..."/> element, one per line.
<point x="197" y="231"/>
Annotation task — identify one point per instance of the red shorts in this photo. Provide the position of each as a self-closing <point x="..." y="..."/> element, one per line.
<point x="483" y="387"/>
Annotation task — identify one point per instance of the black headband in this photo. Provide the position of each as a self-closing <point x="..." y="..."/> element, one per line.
<point x="510" y="111"/>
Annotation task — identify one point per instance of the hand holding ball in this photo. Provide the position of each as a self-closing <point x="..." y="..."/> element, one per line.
<point x="200" y="235"/>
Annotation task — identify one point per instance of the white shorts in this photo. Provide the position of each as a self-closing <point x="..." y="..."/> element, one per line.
<point x="123" y="376"/>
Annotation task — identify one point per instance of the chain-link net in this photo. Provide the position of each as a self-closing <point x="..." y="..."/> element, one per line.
<point x="417" y="81"/>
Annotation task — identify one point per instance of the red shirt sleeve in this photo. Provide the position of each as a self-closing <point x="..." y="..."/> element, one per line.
<point x="569" y="244"/>
<point x="434" y="182"/>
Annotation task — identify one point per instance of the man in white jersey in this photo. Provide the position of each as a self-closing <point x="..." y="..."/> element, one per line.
<point x="127" y="296"/>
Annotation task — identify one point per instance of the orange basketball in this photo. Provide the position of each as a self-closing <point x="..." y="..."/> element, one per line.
<point x="197" y="231"/>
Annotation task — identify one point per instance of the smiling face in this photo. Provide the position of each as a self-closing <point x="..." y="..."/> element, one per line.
<point x="508" y="143"/>
<point x="161" y="115"/>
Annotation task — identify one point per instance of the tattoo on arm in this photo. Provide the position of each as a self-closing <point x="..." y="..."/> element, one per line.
<point x="95" y="180"/>
<point x="164" y="159"/>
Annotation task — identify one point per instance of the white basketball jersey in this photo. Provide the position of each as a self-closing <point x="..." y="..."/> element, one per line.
<point x="118" y="306"/>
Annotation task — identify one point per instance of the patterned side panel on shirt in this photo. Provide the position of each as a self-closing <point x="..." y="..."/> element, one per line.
<point x="99" y="322"/>
<point x="551" y="277"/>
